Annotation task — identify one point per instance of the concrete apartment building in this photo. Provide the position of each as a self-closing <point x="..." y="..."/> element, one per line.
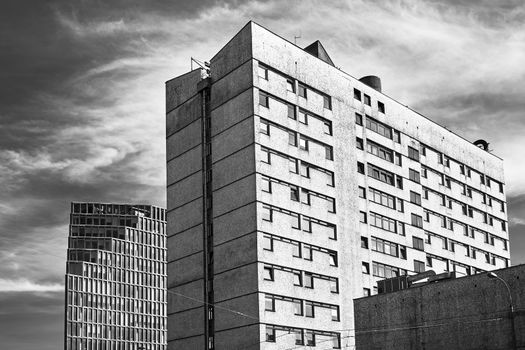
<point x="468" y="313"/>
<point x="293" y="187"/>
<point x="116" y="278"/>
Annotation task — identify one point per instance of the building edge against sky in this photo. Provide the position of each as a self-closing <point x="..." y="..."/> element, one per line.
<point x="115" y="285"/>
<point x="293" y="187"/>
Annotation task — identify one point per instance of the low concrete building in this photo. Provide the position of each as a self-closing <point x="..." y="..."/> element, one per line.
<point x="471" y="312"/>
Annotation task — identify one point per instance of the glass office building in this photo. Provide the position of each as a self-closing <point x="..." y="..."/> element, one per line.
<point x="116" y="277"/>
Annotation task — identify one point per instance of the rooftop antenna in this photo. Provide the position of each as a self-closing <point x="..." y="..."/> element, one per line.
<point x="297" y="37"/>
<point x="203" y="65"/>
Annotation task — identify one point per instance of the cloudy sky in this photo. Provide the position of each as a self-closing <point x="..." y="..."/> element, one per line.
<point x="82" y="106"/>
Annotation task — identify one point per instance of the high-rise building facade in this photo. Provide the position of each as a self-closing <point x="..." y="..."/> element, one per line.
<point x="116" y="277"/>
<point x="293" y="187"/>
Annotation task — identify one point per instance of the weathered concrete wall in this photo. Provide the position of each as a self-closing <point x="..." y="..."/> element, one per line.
<point x="465" y="313"/>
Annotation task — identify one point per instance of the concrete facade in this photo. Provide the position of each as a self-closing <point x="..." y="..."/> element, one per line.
<point x="469" y="313"/>
<point x="116" y="278"/>
<point x="265" y="183"/>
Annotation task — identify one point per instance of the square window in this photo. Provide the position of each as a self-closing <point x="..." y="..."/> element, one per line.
<point x="290" y="85"/>
<point x="309" y="309"/>
<point x="265" y="156"/>
<point x="305" y="170"/>
<point x="357" y="94"/>
<point x="358" y="119"/>
<point x="306" y="197"/>
<point x="264" y="100"/>
<point x="417" y="220"/>
<point x="360" y="168"/>
<point x="267" y="214"/>
<point x="269" y="303"/>
<point x="415" y="198"/>
<point x="268" y="273"/>
<point x="419" y="266"/>
<point x="303" y="117"/>
<point x="366" y="292"/>
<point x="327" y="102"/>
<point x="307" y="225"/>
<point x="381" y="107"/>
<point x="268" y="243"/>
<point x="364" y="242"/>
<point x="362" y="192"/>
<point x="367" y="100"/>
<point x="362" y="217"/>
<point x="303" y="143"/>
<point x="302" y="91"/>
<point x="299" y="338"/>
<point x="266" y="185"/>
<point x="413" y="175"/>
<point x="292" y="113"/>
<point x="264" y="127"/>
<point x="418" y="243"/>
<point x="310" y="338"/>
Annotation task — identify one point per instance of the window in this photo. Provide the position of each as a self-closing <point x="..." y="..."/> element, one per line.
<point x="360" y="168"/>
<point x="264" y="100"/>
<point x="398" y="159"/>
<point x="382" y="198"/>
<point x="334" y="286"/>
<point x="365" y="268"/>
<point x="310" y="338"/>
<point x="359" y="143"/>
<point x="299" y="338"/>
<point x="270" y="334"/>
<point x="263" y="72"/>
<point x="418" y="243"/>
<point x="292" y="113"/>
<point x="267" y="214"/>
<point x="413" y="154"/>
<point x="385" y="271"/>
<point x="303" y="117"/>
<point x="292" y="165"/>
<point x="308" y="280"/>
<point x="362" y="192"/>
<point x="380" y="151"/>
<point x="268" y="243"/>
<point x="303" y="143"/>
<point x="380" y="174"/>
<point x="290" y="85"/>
<point x="302" y="91"/>
<point x="399" y="205"/>
<point x="309" y="309"/>
<point x="367" y="100"/>
<point x="358" y="119"/>
<point x="357" y="94"/>
<point x="305" y="170"/>
<point x="335" y="313"/>
<point x="306" y="197"/>
<point x="265" y="156"/>
<point x="415" y="198"/>
<point x="364" y="242"/>
<point x="266" y="185"/>
<point x="413" y="175"/>
<point x="327" y="127"/>
<point x="382" y="222"/>
<point x="379" y="127"/>
<point x="294" y="194"/>
<point x="264" y="127"/>
<point x="292" y="138"/>
<point x="327" y="102"/>
<point x="296" y="249"/>
<point x="362" y="217"/>
<point x="381" y="107"/>
<point x="269" y="303"/>
<point x="329" y="153"/>
<point x="268" y="273"/>
<point x="333" y="259"/>
<point x="298" y="307"/>
<point x="429" y="261"/>
<point x="419" y="266"/>
<point x="307" y="252"/>
<point x="396" y="136"/>
<point x="385" y="247"/>
<point x="417" y="220"/>
<point x="366" y="292"/>
<point x="297" y="278"/>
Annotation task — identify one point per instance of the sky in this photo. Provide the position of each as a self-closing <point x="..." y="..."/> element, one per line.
<point x="82" y="106"/>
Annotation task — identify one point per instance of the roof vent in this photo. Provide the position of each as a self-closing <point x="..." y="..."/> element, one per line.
<point x="373" y="81"/>
<point x="316" y="49"/>
<point x="484" y="145"/>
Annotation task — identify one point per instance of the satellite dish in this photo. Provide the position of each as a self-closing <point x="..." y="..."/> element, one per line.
<point x="484" y="145"/>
